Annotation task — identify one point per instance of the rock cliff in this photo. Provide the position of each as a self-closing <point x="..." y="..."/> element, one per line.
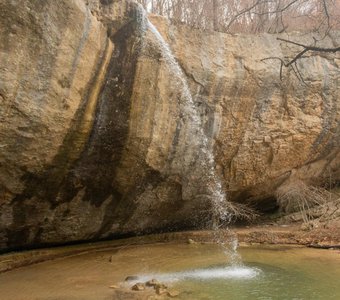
<point x="106" y="125"/>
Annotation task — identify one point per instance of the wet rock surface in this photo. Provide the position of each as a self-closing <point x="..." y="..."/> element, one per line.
<point x="93" y="140"/>
<point x="138" y="287"/>
<point x="159" y="289"/>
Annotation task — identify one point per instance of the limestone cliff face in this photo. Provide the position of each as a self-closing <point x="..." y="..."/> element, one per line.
<point x="267" y="131"/>
<point x="99" y="137"/>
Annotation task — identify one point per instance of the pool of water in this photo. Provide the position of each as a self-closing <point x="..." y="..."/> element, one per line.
<point x="197" y="271"/>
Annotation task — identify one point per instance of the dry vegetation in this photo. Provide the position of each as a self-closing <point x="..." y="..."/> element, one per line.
<point x="243" y="212"/>
<point x="311" y="203"/>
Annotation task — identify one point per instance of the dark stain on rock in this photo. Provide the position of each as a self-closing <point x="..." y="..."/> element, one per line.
<point x="90" y="162"/>
<point x="125" y="208"/>
<point x="326" y="140"/>
<point x="97" y="166"/>
<point x="106" y="2"/>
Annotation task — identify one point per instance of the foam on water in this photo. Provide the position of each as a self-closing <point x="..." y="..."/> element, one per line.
<point x="241" y="272"/>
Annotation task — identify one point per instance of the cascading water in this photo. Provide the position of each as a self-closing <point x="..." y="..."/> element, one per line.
<point x="193" y="133"/>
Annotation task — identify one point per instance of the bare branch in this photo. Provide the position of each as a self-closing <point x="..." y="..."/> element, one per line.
<point x="241" y="13"/>
<point x="306" y="49"/>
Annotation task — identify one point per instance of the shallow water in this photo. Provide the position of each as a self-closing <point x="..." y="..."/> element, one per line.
<point x="198" y="271"/>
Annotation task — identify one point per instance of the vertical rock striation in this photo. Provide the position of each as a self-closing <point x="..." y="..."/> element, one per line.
<point x="95" y="137"/>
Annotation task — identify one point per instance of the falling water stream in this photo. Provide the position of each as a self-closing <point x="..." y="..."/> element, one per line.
<point x="194" y="132"/>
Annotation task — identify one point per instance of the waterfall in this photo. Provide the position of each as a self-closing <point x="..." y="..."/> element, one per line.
<point x="194" y="133"/>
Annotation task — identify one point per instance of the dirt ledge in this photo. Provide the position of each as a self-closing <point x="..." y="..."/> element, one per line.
<point x="326" y="238"/>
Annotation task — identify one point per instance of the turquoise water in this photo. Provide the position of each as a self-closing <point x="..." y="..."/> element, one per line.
<point x="270" y="283"/>
<point x="198" y="272"/>
<point x="267" y="272"/>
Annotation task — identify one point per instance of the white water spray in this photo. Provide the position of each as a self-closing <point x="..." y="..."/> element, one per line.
<point x="233" y="272"/>
<point x="195" y="134"/>
<point x="195" y="123"/>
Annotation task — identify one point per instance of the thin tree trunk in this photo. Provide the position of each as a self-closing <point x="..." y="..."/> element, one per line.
<point x="215" y="15"/>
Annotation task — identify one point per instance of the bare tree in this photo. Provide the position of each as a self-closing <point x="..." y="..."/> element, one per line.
<point x="215" y="16"/>
<point x="318" y="17"/>
<point x="251" y="16"/>
<point x="292" y="62"/>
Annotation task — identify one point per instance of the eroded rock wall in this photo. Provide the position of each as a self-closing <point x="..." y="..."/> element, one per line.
<point x="97" y="138"/>
<point x="60" y="68"/>
<point x="267" y="131"/>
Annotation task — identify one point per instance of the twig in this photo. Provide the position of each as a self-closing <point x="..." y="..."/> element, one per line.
<point x="292" y="62"/>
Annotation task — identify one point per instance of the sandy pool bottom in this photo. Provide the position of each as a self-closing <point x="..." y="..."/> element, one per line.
<point x="197" y="271"/>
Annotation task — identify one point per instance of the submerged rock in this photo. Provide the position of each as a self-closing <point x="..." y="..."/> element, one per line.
<point x="152" y="283"/>
<point x="173" y="293"/>
<point x="131" y="278"/>
<point x="160" y="286"/>
<point x="161" y="290"/>
<point x="191" y="241"/>
<point x="138" y="287"/>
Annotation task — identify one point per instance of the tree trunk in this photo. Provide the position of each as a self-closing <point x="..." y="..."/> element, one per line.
<point x="215" y="15"/>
